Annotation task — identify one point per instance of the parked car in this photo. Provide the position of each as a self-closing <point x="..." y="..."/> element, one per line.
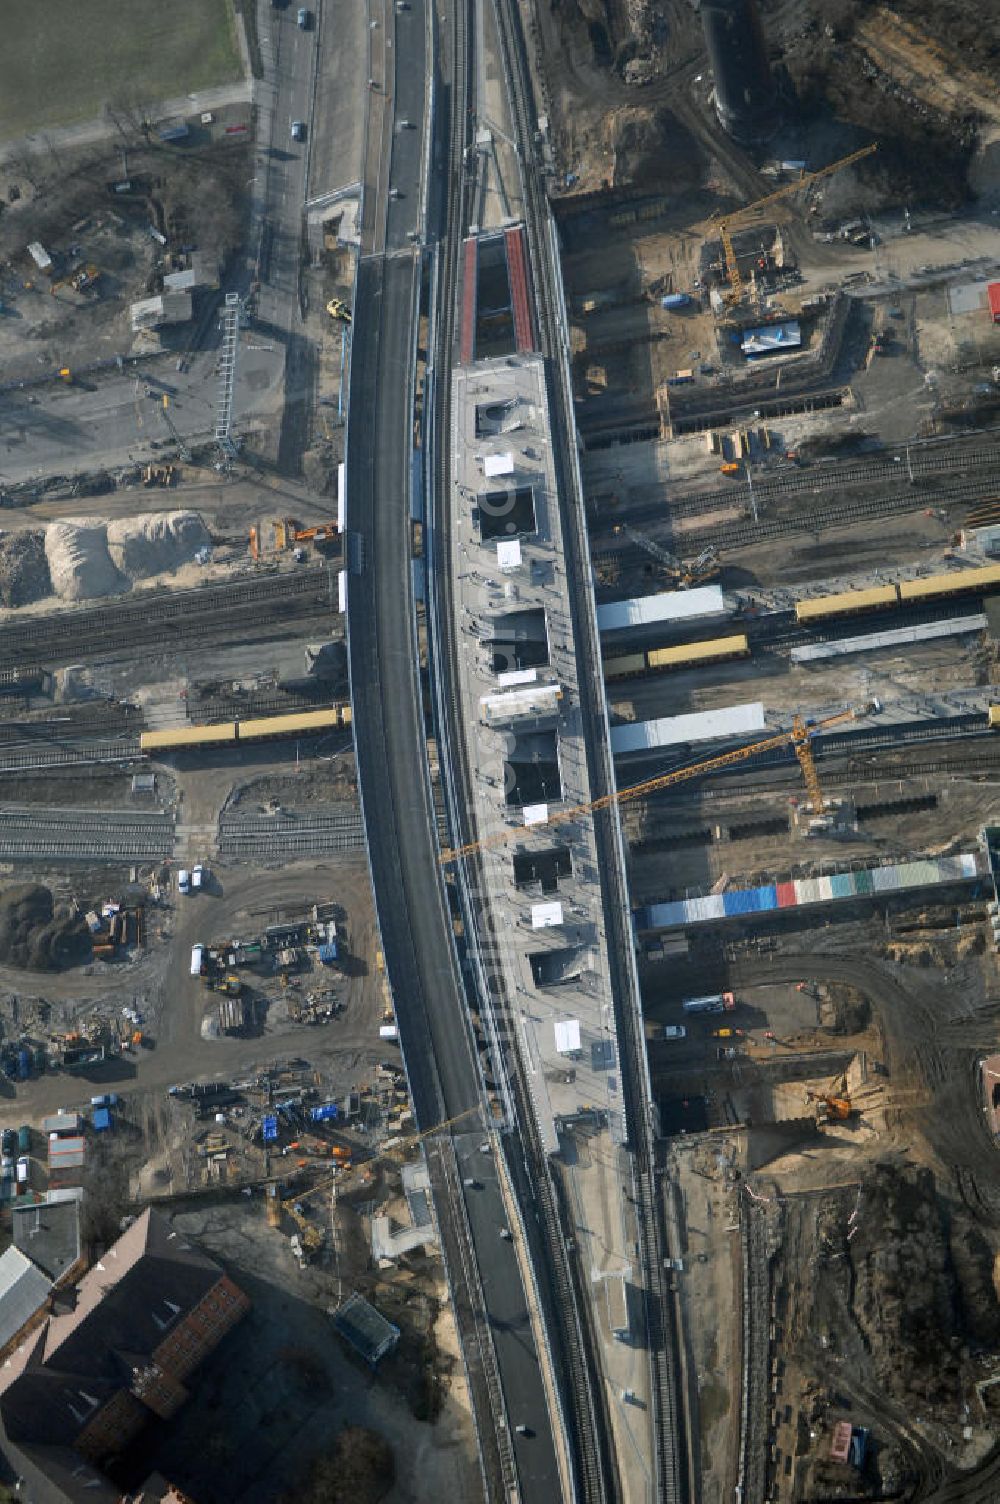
<point x="303" y="18"/>
<point x="298" y="130"/>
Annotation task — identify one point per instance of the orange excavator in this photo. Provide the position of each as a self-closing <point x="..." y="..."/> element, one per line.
<point x="836" y="1103"/>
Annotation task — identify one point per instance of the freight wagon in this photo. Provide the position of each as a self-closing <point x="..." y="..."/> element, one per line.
<point x="935" y="587"/>
<point x="228" y="733"/>
<point x="690" y="655"/>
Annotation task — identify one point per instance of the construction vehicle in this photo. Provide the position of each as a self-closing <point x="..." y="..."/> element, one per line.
<point x="337" y="309"/>
<point x="288" y="532"/>
<point x="684" y="573"/>
<point x="730" y="468"/>
<point x="81" y="279"/>
<point x="834" y="1103"/>
<point x="836" y="1109"/>
<point x="392" y="1148"/>
<point x="736" y="289"/>
<point x="255" y="545"/>
<point x="799" y="738"/>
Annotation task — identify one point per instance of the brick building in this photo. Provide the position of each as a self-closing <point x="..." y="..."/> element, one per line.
<point x="81" y="1387"/>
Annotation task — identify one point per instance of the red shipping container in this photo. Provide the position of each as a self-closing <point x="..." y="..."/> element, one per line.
<point x="786" y="895"/>
<point x="993" y="293"/>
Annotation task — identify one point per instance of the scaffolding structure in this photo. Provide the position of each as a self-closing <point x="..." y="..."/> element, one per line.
<point x="227" y="374"/>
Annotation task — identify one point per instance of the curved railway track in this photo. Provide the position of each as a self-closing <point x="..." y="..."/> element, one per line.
<point x="528" y="1165"/>
<point x="670" y="1462"/>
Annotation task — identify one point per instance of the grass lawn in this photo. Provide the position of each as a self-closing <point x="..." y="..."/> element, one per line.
<point x="62" y="60"/>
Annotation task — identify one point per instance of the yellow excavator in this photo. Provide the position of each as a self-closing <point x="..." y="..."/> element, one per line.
<point x="338" y="309"/>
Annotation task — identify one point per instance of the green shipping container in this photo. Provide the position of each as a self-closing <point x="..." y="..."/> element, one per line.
<point x="24" y="1139"/>
<point x="863" y="882"/>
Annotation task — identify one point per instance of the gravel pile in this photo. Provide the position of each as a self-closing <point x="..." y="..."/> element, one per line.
<point x="79" y="562"/>
<point x="157" y="543"/>
<point x="88" y="559"/>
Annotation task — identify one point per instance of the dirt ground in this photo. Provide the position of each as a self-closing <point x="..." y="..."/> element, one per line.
<point x="284" y="1383"/>
<point x="194" y="193"/>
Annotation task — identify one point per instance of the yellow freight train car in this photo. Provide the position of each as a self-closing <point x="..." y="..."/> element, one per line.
<point x="230" y="733"/>
<point x="847" y="603"/>
<point x="716" y="650"/>
<point x="994" y="717"/>
<point x="179" y="737"/>
<point x="956" y="582"/>
<point x="308" y="723"/>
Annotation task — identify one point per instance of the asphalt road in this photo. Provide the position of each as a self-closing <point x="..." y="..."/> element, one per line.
<point x="391" y="756"/>
<point x="409" y="894"/>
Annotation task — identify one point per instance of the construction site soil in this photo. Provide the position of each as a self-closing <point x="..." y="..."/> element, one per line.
<point x="849" y="71"/>
<point x="195" y="195"/>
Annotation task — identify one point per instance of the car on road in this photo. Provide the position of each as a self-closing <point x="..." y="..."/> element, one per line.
<point x="674" y="1031"/>
<point x="183" y="880"/>
<point x="298" y="130"/>
<point x="303" y="18"/>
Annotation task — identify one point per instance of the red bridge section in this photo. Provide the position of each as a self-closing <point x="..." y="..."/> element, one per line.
<point x="470" y="266"/>
<point x="520" y="297"/>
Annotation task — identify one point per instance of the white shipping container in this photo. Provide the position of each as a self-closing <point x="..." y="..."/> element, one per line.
<point x="709" y="725"/>
<point x="669" y="605"/>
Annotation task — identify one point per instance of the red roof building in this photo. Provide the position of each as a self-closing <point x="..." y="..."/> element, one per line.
<point x="993" y="293"/>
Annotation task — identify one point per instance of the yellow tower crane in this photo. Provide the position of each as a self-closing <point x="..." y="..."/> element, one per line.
<point x="798" y="737"/>
<point x="726" y="221"/>
<point x="392" y="1149"/>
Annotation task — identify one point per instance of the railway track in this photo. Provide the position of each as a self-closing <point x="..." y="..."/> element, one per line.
<point x="818" y="480"/>
<point x="780" y="759"/>
<point x="730" y="536"/>
<point x="264" y="838"/>
<point x="44" y="756"/>
<point x="67" y="835"/>
<point x="598" y="1475"/>
<point x="165" y="619"/>
<point x="572" y="1359"/>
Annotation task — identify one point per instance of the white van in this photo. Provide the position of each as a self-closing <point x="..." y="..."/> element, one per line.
<point x="197" y="956"/>
<point x="183" y="880"/>
<point x="197" y="877"/>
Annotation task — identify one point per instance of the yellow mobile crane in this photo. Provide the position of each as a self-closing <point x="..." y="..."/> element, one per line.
<point x="799" y="738"/>
<point x="727" y="221"/>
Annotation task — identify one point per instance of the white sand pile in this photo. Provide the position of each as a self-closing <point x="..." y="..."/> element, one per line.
<point x="79" y="562"/>
<point x="156" y="542"/>
<point x="88" y="558"/>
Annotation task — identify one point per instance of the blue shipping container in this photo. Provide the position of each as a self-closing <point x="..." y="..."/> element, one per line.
<point x="675" y="300"/>
<point x="325" y="1113"/>
<point x="270" y="1126"/>
<point x="102" y="1119"/>
<point x="328" y="952"/>
<point x="23" y="1064"/>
